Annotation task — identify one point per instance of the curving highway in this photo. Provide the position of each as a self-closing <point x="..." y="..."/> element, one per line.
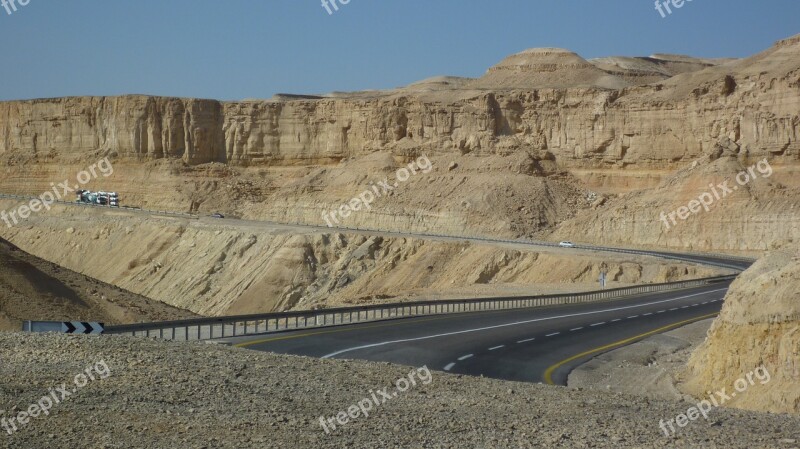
<point x="533" y="345"/>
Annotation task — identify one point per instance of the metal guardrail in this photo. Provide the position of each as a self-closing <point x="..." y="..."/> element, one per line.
<point x="715" y="259"/>
<point x="718" y="260"/>
<point x="234" y="326"/>
<point x="237" y="326"/>
<point x="677" y="256"/>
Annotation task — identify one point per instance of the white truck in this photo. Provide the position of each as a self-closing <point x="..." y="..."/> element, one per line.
<point x="101" y="198"/>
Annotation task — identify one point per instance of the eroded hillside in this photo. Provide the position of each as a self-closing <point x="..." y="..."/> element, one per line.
<point x="596" y="158"/>
<point x="510" y="160"/>
<point x="32" y="289"/>
<point x="213" y="268"/>
<point x="744" y="205"/>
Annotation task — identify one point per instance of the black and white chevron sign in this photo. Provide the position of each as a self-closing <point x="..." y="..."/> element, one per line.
<point x="80" y="327"/>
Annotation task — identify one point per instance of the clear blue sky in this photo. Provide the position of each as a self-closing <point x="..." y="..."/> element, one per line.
<point x="234" y="49"/>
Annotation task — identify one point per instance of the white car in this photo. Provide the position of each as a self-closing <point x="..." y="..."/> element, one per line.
<point x="566" y="245"/>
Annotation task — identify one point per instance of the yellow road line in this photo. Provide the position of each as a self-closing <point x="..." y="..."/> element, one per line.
<point x="548" y="375"/>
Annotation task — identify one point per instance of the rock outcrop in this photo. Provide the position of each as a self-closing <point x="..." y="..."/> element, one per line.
<point x="759" y="327"/>
<point x="585" y="116"/>
<point x="134" y="127"/>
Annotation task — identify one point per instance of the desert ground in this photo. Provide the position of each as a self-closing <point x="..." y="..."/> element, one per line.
<point x="546" y="145"/>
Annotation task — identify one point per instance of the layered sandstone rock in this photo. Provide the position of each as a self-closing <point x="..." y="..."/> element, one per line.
<point x="566" y="109"/>
<point x="752" y="217"/>
<point x="133" y="127"/>
<point x="759" y="327"/>
<point x="658" y="67"/>
<point x="547" y="67"/>
<point x="524" y="160"/>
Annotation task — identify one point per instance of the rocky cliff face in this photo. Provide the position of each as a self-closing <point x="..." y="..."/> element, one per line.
<point x="514" y="152"/>
<point x="759" y="327"/>
<point x="754" y="102"/>
<point x="129" y="127"/>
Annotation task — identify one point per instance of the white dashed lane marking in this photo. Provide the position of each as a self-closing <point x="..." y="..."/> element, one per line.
<point x="515" y="323"/>
<point x="494" y="348"/>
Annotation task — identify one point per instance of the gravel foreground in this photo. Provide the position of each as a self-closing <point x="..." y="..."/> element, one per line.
<point x="653" y="367"/>
<point x="193" y="395"/>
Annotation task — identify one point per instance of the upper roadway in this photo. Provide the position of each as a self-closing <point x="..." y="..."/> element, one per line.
<point x="535" y="345"/>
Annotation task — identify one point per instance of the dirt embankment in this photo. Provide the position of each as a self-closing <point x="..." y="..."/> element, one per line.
<point x="213" y="267"/>
<point x="33" y="289"/>
<point x="650" y="368"/>
<point x="748" y="205"/>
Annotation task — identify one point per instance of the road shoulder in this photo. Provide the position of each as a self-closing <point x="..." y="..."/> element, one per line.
<point x="651" y="368"/>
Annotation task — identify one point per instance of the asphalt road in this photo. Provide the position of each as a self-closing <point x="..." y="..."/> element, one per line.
<point x="532" y="345"/>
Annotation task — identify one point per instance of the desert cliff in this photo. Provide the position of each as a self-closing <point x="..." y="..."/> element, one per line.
<point x="756" y="330"/>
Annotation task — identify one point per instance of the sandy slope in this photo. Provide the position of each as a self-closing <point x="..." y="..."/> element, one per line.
<point x="32" y="289"/>
<point x="236" y="267"/>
